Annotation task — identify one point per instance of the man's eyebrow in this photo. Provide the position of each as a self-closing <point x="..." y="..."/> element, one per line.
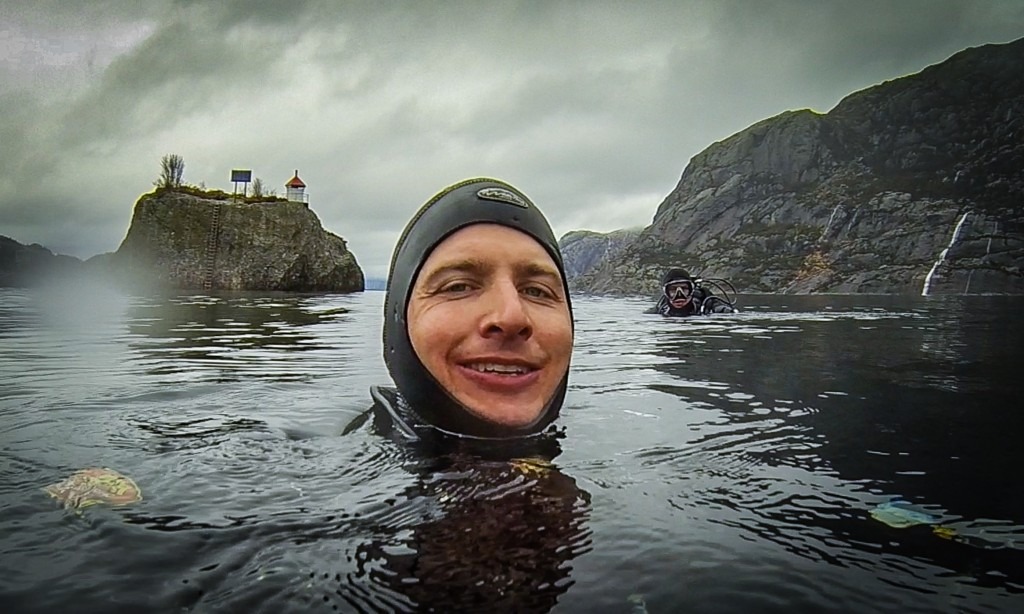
<point x="537" y="269"/>
<point x="481" y="268"/>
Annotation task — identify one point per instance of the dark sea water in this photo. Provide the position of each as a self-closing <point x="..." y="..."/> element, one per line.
<point x="723" y="464"/>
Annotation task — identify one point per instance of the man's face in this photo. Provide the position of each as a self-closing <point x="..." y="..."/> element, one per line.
<point x="679" y="293"/>
<point x="490" y="321"/>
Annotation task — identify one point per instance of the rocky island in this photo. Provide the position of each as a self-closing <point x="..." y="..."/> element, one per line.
<point x="184" y="240"/>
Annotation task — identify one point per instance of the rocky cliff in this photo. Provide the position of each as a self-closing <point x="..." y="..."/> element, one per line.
<point x="187" y="241"/>
<point x="582" y="250"/>
<point x="916" y="184"/>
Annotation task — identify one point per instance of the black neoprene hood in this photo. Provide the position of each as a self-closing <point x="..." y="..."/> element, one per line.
<point x="675" y="275"/>
<point x="473" y="201"/>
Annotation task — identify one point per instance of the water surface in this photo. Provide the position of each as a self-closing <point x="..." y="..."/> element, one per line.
<point x="719" y="464"/>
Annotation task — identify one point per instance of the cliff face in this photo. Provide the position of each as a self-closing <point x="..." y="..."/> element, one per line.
<point x="183" y="241"/>
<point x="865" y="198"/>
<point x="582" y="250"/>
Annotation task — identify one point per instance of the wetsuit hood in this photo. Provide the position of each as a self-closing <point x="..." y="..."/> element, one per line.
<point x="675" y="275"/>
<point x="473" y="201"/>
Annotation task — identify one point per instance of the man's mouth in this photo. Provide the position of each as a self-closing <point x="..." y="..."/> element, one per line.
<point x="490" y="367"/>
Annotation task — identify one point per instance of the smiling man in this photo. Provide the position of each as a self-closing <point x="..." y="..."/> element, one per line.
<point x="478" y="329"/>
<point x="489" y="320"/>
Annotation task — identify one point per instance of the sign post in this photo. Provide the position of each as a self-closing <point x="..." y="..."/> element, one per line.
<point x="239" y="176"/>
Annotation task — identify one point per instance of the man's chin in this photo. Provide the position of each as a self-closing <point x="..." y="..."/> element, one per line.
<point x="503" y="413"/>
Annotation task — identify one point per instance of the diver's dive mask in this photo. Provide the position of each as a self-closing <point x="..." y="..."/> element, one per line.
<point x="679" y="289"/>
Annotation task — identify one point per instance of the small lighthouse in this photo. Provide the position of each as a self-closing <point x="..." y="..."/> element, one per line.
<point x="296" y="189"/>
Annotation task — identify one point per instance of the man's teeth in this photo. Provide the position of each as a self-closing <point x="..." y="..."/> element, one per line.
<point x="495" y="368"/>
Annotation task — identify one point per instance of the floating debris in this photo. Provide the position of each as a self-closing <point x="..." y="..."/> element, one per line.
<point x="900" y="515"/>
<point x="95" y="486"/>
<point x="532" y="467"/>
<point x="946" y="532"/>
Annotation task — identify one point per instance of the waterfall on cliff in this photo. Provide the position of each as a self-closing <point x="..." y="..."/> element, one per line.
<point x="942" y="255"/>
<point x="829" y="223"/>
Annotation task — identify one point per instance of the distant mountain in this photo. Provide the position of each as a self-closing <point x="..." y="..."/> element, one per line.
<point x="917" y="182"/>
<point x="583" y="249"/>
<point x="376" y="283"/>
<point x="28" y="265"/>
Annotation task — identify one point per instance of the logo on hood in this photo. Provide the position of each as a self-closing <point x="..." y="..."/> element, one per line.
<point x="502" y="195"/>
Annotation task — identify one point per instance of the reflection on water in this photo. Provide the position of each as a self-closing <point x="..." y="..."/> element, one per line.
<point x="233" y="335"/>
<point x="728" y="463"/>
<point x="472" y="535"/>
<point x="463" y="533"/>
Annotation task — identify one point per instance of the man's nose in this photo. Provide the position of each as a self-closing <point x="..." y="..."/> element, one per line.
<point x="505" y="313"/>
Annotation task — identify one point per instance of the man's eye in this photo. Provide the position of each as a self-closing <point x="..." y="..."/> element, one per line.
<point x="456" y="287"/>
<point x="537" y="292"/>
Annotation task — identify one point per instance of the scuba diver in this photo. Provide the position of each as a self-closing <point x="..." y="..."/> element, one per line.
<point x="478" y="336"/>
<point x="684" y="295"/>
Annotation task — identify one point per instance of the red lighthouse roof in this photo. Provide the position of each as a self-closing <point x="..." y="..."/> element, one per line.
<point x="295" y="181"/>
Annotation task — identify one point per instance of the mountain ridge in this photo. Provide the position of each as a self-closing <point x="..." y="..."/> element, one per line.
<point x="864" y="198"/>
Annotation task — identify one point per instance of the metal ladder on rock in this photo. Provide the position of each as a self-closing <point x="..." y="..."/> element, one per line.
<point x="210" y="255"/>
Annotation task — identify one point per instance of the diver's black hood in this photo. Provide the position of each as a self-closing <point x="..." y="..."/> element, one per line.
<point x="675" y="275"/>
<point x="468" y="202"/>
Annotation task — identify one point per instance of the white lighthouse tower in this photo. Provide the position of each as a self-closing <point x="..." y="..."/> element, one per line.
<point x="296" y="189"/>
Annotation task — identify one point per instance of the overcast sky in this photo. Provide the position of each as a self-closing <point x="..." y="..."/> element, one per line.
<point x="591" y="108"/>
